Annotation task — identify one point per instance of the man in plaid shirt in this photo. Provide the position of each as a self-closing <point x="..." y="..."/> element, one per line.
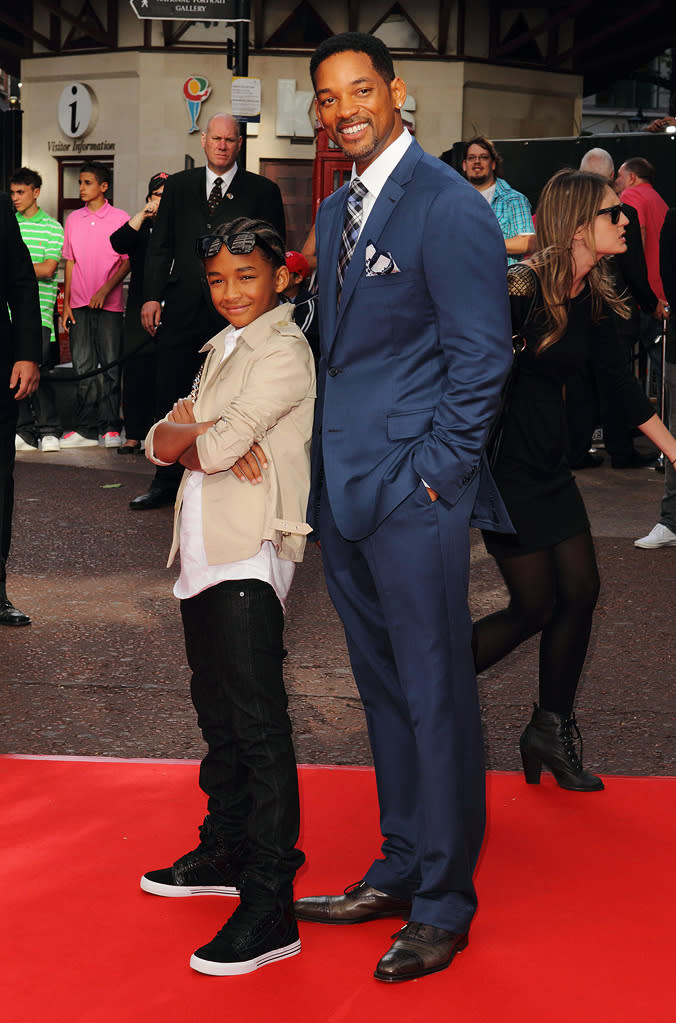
<point x="481" y="167"/>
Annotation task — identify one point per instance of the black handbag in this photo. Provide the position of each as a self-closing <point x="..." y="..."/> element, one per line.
<point x="522" y="276"/>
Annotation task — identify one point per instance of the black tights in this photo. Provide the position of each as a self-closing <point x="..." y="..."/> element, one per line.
<point x="553" y="592"/>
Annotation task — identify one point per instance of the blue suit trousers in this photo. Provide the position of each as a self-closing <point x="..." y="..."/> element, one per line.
<point x="401" y="594"/>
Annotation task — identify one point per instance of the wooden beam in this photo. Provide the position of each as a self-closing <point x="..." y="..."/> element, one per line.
<point x="611" y="29"/>
<point x="23" y="52"/>
<point x="460" y="29"/>
<point x="113" y="23"/>
<point x="444" y="22"/>
<point x="173" y="30"/>
<point x="494" y="28"/>
<point x="55" y="33"/>
<point x="25" y="30"/>
<point x="100" y="37"/>
<point x="259" y="24"/>
<point x="544" y="26"/>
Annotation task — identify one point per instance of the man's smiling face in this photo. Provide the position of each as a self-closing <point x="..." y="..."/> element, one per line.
<point x="357" y="107"/>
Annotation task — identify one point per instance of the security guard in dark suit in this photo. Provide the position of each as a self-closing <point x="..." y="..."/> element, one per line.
<point x="177" y="307"/>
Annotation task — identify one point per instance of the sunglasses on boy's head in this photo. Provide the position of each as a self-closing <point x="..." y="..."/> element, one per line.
<point x="614" y="212"/>
<point x="238" y="244"/>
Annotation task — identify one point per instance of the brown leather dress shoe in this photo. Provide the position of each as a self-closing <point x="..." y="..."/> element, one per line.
<point x="359" y="903"/>
<point x="419" y="949"/>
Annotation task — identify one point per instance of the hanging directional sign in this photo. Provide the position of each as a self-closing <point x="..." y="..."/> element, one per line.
<point x="193" y="10"/>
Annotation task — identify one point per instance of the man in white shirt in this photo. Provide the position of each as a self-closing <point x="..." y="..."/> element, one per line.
<point x="415" y="345"/>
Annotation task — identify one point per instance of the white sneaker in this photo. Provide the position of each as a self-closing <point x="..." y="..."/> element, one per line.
<point x="111" y="439"/>
<point x="659" y="536"/>
<point x="50" y="443"/>
<point x="21" y="445"/>
<point x="76" y="440"/>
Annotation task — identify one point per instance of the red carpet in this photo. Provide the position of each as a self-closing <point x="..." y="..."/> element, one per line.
<point x="575" y="924"/>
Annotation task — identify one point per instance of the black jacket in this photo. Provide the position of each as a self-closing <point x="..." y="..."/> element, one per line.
<point x="173" y="272"/>
<point x="633" y="272"/>
<point x="20" y="338"/>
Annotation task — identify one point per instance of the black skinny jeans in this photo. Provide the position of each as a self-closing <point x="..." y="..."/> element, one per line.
<point x="233" y="638"/>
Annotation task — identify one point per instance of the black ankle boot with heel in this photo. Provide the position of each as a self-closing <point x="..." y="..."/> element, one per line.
<point x="549" y="740"/>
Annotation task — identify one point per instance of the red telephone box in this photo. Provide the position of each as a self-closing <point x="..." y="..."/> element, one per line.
<point x="331" y="170"/>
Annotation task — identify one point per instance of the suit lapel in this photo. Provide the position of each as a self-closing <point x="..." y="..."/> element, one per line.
<point x="201" y="188"/>
<point x="384" y="206"/>
<point x="390" y="195"/>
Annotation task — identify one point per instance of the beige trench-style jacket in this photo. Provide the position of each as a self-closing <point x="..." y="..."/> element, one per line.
<point x="263" y="392"/>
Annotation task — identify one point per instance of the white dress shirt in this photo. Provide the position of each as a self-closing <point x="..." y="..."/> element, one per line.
<point x="225" y="178"/>
<point x="196" y="573"/>
<point x="377" y="173"/>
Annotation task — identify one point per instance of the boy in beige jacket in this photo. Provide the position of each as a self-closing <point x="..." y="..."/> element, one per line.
<point x="239" y="544"/>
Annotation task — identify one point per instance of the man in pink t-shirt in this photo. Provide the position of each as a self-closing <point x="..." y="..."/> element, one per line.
<point x="634" y="186"/>
<point x="93" y="309"/>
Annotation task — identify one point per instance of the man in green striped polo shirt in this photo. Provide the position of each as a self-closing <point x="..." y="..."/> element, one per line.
<point x="38" y="425"/>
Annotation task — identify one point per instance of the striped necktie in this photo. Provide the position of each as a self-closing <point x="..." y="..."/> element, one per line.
<point x="215" y="195"/>
<point x="348" y="239"/>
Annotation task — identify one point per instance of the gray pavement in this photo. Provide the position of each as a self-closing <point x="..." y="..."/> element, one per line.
<point x="102" y="671"/>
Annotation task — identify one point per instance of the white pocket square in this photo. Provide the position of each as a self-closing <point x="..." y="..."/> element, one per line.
<point x="379" y="263"/>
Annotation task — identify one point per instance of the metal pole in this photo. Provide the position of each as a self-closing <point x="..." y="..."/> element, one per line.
<point x="662" y="462"/>
<point x="241" y="68"/>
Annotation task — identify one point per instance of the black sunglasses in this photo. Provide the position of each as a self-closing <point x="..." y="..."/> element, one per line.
<point x="238" y="244"/>
<point x="614" y="212"/>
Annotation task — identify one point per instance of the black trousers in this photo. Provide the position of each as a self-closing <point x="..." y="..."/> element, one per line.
<point x="9" y="409"/>
<point x="233" y="638"/>
<point x="139" y="373"/>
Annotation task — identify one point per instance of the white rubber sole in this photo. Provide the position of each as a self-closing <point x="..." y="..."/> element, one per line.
<point x="248" y="966"/>
<point x="182" y="891"/>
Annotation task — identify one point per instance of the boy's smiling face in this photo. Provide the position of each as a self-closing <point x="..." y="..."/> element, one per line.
<point x="244" y="287"/>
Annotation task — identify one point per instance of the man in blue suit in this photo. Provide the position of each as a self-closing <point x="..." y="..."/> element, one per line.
<point x="415" y="345"/>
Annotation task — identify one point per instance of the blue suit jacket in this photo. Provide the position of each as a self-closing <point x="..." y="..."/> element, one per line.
<point x="413" y="361"/>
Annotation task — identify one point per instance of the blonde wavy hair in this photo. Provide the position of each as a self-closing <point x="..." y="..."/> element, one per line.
<point x="570" y="200"/>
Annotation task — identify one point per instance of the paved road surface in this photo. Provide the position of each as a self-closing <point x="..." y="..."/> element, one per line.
<point x="102" y="670"/>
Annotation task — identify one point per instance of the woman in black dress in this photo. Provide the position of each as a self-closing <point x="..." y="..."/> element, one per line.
<point x="549" y="566"/>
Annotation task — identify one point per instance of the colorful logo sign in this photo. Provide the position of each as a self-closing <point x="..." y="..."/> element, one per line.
<point x="195" y="90"/>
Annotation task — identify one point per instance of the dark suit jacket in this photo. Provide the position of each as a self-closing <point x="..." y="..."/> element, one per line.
<point x="20" y="339"/>
<point x="413" y="361"/>
<point x="633" y="272"/>
<point x="173" y="272"/>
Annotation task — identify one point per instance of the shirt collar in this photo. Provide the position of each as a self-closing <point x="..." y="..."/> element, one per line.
<point x="225" y="178"/>
<point x="377" y="173"/>
<point x="279" y="320"/>
<point x="101" y="212"/>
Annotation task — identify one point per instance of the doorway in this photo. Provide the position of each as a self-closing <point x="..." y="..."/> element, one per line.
<point x="294" y="178"/>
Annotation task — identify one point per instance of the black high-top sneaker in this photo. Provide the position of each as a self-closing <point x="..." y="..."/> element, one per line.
<point x="260" y="931"/>
<point x="212" y="868"/>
